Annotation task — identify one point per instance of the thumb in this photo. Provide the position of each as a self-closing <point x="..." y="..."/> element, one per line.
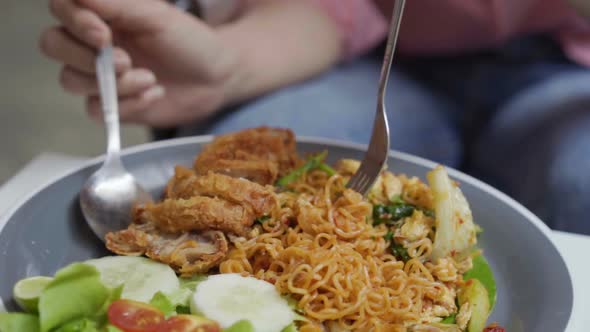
<point x="131" y="15"/>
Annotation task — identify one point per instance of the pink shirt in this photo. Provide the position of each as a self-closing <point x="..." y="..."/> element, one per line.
<point x="453" y="26"/>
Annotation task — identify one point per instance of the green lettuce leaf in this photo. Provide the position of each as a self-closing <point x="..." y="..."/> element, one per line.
<point x="76" y="292"/>
<point x="482" y="271"/>
<point x="111" y="328"/>
<point x="162" y="302"/>
<point x="80" y="325"/>
<point x="192" y="283"/>
<point x="10" y="322"/>
<point x="452" y="319"/>
<point x="114" y="294"/>
<point x="174" y="302"/>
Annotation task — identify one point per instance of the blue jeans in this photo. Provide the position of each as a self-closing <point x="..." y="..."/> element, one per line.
<point x="517" y="118"/>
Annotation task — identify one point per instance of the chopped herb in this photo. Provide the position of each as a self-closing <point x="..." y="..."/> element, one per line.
<point x="390" y="214"/>
<point x="400" y="252"/>
<point x="261" y="220"/>
<point x="450" y="319"/>
<point x="428" y="213"/>
<point x="398" y="209"/>
<point x="388" y="236"/>
<point x="327" y="169"/>
<point x="316" y="162"/>
<point x="379" y="214"/>
<point x="183" y="310"/>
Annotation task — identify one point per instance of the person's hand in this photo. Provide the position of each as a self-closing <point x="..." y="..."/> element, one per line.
<point x="172" y="68"/>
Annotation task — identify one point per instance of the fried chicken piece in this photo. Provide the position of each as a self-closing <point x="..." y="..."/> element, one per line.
<point x="197" y="213"/>
<point x="256" y="198"/>
<point x="259" y="154"/>
<point x="181" y="185"/>
<point x="187" y="253"/>
<point x="264" y="172"/>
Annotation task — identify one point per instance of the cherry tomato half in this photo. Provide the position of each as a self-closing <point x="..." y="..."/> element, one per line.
<point x="494" y="328"/>
<point x="132" y="316"/>
<point x="188" y="323"/>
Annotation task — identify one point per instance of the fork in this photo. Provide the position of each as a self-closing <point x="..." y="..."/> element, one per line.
<point x="376" y="154"/>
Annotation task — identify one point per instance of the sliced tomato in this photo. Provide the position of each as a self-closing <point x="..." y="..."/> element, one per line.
<point x="132" y="316"/>
<point x="188" y="323"/>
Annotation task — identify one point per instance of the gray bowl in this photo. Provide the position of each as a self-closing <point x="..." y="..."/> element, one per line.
<point x="46" y="231"/>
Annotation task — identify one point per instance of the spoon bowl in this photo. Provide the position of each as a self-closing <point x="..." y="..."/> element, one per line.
<point x="109" y="195"/>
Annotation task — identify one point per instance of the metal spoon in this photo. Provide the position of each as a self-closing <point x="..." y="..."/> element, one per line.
<point x="110" y="193"/>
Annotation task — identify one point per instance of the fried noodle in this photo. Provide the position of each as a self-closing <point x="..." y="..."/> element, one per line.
<point x="320" y="248"/>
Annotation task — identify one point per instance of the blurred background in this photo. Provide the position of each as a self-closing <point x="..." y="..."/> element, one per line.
<point x="36" y="115"/>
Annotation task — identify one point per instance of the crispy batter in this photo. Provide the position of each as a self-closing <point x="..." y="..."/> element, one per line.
<point x="264" y="172"/>
<point x="197" y="214"/>
<point x="187" y="253"/>
<point x="254" y="197"/>
<point x="181" y="185"/>
<point x="259" y="154"/>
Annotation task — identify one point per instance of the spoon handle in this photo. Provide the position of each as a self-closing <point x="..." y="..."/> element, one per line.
<point x="107" y="84"/>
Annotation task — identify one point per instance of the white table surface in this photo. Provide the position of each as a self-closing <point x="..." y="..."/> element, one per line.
<point x="573" y="247"/>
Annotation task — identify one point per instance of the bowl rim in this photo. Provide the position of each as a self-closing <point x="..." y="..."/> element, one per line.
<point x="462" y="177"/>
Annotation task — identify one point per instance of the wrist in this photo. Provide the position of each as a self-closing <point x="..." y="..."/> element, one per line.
<point x="272" y="49"/>
<point x="237" y="84"/>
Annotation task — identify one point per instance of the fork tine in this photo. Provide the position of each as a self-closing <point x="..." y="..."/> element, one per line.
<point x="353" y="183"/>
<point x="361" y="181"/>
<point x="363" y="186"/>
<point x="354" y="180"/>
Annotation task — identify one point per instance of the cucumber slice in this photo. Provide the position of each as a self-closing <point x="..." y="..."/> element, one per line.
<point x="229" y="298"/>
<point x="141" y="277"/>
<point x="476" y="294"/>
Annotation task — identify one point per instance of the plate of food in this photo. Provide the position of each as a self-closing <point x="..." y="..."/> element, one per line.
<point x="256" y="231"/>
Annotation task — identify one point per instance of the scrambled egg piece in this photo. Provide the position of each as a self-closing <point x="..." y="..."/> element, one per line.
<point x="415" y="228"/>
<point x="416" y="192"/>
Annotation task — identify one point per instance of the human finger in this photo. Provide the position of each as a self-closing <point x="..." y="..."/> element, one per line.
<point x="131" y="107"/>
<point x="59" y="45"/>
<point x="81" y="22"/>
<point x="131" y="82"/>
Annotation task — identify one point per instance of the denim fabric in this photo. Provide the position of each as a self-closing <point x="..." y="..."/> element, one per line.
<point x="517" y="117"/>
<point x="341" y="104"/>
